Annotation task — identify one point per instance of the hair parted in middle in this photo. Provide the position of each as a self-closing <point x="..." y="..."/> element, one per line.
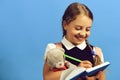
<point x="72" y="11"/>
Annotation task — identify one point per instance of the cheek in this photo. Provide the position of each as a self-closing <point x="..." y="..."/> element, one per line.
<point x="74" y="32"/>
<point x="70" y="33"/>
<point x="88" y="34"/>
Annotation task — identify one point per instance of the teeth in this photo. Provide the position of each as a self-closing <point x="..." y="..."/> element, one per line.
<point x="80" y="38"/>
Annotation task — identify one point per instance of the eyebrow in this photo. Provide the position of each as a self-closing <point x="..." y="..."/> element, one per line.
<point x="82" y="26"/>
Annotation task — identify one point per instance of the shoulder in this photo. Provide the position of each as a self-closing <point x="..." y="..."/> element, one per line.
<point x="58" y="45"/>
<point x="52" y="46"/>
<point x="98" y="51"/>
<point x="48" y="47"/>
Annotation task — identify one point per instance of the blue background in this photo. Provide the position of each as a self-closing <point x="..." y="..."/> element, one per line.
<point x="27" y="26"/>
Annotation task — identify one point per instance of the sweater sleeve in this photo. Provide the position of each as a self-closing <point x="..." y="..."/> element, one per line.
<point x="98" y="51"/>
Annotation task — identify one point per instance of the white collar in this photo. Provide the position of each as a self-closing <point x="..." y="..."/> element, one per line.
<point x="69" y="45"/>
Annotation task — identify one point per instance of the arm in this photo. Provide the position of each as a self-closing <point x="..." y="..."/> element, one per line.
<point x="101" y="74"/>
<point x="47" y="74"/>
<point x="58" y="75"/>
<point x="50" y="75"/>
<point x="87" y="64"/>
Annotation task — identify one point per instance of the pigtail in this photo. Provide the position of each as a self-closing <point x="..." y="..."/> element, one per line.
<point x="96" y="58"/>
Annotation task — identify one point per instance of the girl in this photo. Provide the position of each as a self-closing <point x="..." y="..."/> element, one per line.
<point x="76" y="24"/>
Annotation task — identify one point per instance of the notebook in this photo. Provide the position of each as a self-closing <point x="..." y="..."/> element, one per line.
<point x="81" y="72"/>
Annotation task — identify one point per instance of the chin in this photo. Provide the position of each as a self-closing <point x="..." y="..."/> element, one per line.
<point x="77" y="43"/>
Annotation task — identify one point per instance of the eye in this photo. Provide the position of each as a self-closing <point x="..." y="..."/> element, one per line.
<point x="88" y="29"/>
<point x="78" y="27"/>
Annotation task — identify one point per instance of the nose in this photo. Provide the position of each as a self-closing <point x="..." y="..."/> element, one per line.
<point x="83" y="33"/>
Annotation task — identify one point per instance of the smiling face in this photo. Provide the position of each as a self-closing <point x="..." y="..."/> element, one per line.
<point x="78" y="30"/>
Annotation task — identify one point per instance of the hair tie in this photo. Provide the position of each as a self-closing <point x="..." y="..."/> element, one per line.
<point x="92" y="52"/>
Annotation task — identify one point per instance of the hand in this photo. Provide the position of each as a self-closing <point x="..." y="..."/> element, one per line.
<point x="90" y="78"/>
<point x="98" y="76"/>
<point x="85" y="64"/>
<point x="79" y="79"/>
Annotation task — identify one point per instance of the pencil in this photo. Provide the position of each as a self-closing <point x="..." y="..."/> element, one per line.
<point x="70" y="57"/>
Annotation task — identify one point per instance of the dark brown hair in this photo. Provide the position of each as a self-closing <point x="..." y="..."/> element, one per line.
<point x="72" y="11"/>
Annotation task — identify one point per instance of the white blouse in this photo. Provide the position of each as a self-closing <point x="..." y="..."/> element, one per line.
<point x="69" y="46"/>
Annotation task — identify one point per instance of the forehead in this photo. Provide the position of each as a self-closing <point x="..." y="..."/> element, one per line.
<point x="82" y="20"/>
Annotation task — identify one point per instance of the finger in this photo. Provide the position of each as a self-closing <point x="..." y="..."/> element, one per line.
<point x="87" y="62"/>
<point x="87" y="66"/>
<point x="90" y="78"/>
<point x="99" y="74"/>
<point x="79" y="79"/>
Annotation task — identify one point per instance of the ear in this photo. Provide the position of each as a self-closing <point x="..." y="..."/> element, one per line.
<point x="64" y="25"/>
